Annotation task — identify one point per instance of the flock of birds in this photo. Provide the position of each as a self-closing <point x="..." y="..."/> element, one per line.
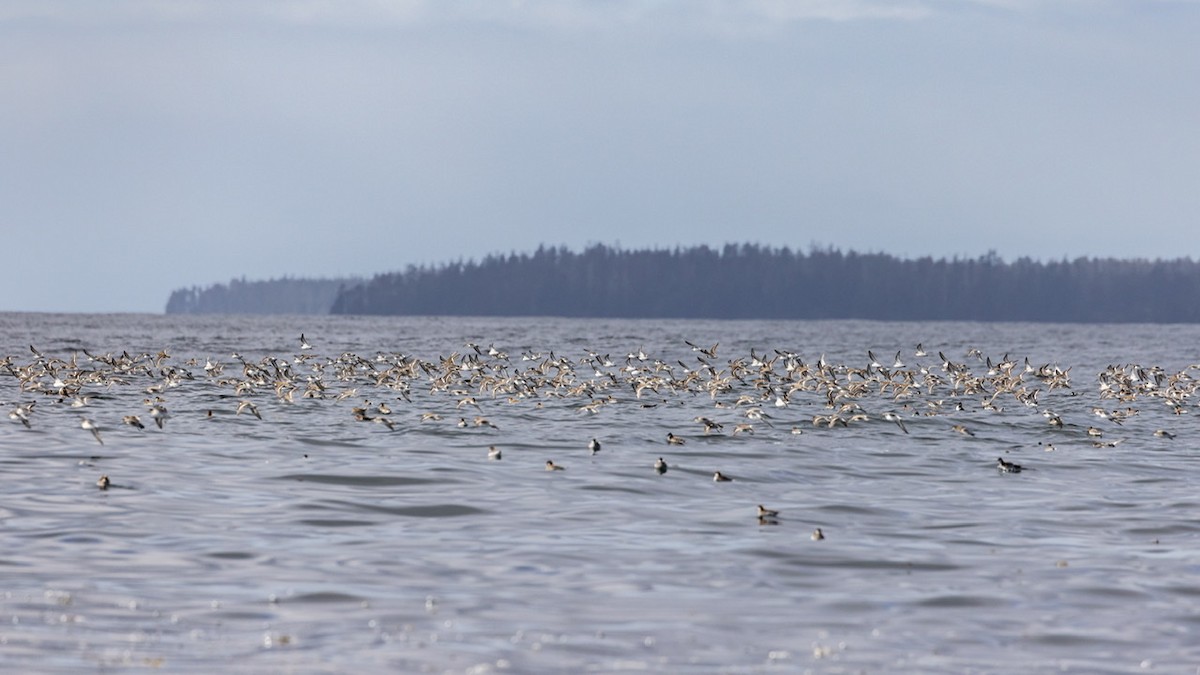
<point x="757" y="389"/>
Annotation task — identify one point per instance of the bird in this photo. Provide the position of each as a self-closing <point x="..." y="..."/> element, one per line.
<point x="91" y="426"/>
<point x="719" y="477"/>
<point x="709" y="425"/>
<point x="1163" y="433"/>
<point x="493" y="452"/>
<point x="103" y="482"/>
<point x="672" y="439"/>
<point x="1007" y="467"/>
<point x="963" y="430"/>
<point x="818" y="535"/>
<point x="247" y="405"/>
<point x="594" y="446"/>
<point x="660" y="466"/>
<point x="159" y="413"/>
<point x="764" y="512"/>
<point x="551" y="466"/>
<point x="21" y="414"/>
<point x="304" y="344"/>
<point x="893" y="417"/>
<point x="133" y="421"/>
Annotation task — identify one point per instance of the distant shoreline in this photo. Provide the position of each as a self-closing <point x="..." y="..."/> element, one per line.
<point x="743" y="281"/>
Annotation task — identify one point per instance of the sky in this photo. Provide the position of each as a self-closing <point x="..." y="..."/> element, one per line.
<point x="147" y="146"/>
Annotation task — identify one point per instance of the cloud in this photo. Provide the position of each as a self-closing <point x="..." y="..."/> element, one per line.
<point x="722" y="16"/>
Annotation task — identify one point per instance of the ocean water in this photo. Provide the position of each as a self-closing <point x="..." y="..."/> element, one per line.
<point x="312" y="541"/>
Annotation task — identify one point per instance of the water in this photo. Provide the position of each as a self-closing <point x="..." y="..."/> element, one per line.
<point x="309" y="541"/>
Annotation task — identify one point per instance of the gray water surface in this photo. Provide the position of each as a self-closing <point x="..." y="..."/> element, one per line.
<point x="310" y="541"/>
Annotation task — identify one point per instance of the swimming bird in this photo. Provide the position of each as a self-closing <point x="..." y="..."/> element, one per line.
<point x="709" y="425"/>
<point x="764" y="512"/>
<point x="818" y="535"/>
<point x="493" y="452"/>
<point x="133" y="421"/>
<point x="551" y="466"/>
<point x="660" y="466"/>
<point x="594" y="446"/>
<point x="103" y="482"/>
<point x="719" y="477"/>
<point x="963" y="430"/>
<point x="1007" y="467"/>
<point x="91" y="426"/>
<point x="1163" y="433"/>
<point x="672" y="439"/>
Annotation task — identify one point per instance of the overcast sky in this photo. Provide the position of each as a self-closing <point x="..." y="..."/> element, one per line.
<point x="147" y="146"/>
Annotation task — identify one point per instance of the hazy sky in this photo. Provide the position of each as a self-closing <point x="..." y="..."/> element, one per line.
<point x="147" y="146"/>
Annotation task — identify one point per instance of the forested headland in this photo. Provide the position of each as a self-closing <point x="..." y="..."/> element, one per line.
<point x="274" y="296"/>
<point x="750" y="281"/>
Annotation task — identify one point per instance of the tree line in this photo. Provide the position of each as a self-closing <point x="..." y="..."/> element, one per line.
<point x="273" y="296"/>
<point x="752" y="281"/>
<point x="738" y="281"/>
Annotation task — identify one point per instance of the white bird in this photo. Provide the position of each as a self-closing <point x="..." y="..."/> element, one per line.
<point x="91" y="426"/>
<point x="893" y="417"/>
<point x="159" y="413"/>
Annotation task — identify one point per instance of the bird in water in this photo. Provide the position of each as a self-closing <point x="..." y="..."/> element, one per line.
<point x="551" y="466"/>
<point x="818" y="535"/>
<point x="719" y="477"/>
<point x="133" y="421"/>
<point x="493" y="452"/>
<point x="660" y="466"/>
<point x="1006" y="466"/>
<point x="103" y="482"/>
<point x="594" y="446"/>
<point x="764" y="512"/>
<point x="672" y="439"/>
